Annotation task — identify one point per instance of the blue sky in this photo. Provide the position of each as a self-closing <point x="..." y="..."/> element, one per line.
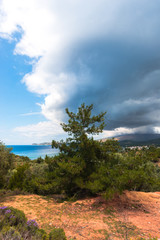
<point x="58" y="54"/>
<point x="15" y="100"/>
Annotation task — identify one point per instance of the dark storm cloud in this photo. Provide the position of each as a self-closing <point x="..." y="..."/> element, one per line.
<point x="121" y="77"/>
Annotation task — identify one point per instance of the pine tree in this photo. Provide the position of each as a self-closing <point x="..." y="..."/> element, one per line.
<point x="80" y="153"/>
<point x="80" y="127"/>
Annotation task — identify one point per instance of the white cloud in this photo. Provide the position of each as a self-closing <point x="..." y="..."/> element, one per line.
<point x="42" y="129"/>
<point x="157" y="130"/>
<point x="115" y="132"/>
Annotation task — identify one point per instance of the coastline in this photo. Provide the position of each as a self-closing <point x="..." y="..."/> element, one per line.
<point x="33" y="151"/>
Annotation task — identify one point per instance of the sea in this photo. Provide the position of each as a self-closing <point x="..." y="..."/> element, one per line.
<point x="33" y="151"/>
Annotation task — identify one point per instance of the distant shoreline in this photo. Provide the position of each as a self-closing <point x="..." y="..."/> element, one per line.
<point x="41" y="144"/>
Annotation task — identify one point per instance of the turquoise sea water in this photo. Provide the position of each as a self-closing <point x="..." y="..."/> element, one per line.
<point x="33" y="151"/>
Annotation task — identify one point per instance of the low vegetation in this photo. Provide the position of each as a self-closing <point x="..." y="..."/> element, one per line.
<point x="84" y="166"/>
<point x="14" y="225"/>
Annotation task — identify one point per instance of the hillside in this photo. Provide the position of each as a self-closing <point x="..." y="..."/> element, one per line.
<point x="137" y="139"/>
<point x="131" y="215"/>
<point x="128" y="143"/>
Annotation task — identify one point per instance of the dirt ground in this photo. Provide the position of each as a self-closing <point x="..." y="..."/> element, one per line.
<point x="129" y="216"/>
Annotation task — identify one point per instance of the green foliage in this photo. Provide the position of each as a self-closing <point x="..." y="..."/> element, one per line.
<point x="79" y="126"/>
<point x="18" y="178"/>
<point x="11" y="217"/>
<point x="39" y="160"/>
<point x="132" y="171"/>
<point x="80" y="154"/>
<point x="111" y="146"/>
<point x="10" y="233"/>
<point x="6" y="163"/>
<point x="153" y="153"/>
<point x="57" y="234"/>
<point x="24" y="159"/>
<point x="14" y="225"/>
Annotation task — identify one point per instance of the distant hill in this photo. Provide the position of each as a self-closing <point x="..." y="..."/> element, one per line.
<point x="137" y="139"/>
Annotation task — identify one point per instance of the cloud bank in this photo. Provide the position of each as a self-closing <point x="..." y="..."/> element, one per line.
<point x="102" y="52"/>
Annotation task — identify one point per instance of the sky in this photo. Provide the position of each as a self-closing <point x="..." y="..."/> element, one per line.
<point x="58" y="54"/>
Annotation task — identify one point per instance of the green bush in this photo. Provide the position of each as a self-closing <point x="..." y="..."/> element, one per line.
<point x="57" y="234"/>
<point x="14" y="225"/>
<point x="10" y="233"/>
<point x="6" y="163"/>
<point x="18" y="178"/>
<point x="132" y="171"/>
<point x="11" y="217"/>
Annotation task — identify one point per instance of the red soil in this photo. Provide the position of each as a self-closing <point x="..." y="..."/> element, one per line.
<point x="95" y="218"/>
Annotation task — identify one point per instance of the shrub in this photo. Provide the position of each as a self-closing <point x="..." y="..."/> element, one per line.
<point x="14" y="225"/>
<point x="57" y="234"/>
<point x="132" y="171"/>
<point x="6" y="163"/>
<point x="10" y="233"/>
<point x="11" y="217"/>
<point x="39" y="160"/>
<point x="17" y="179"/>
